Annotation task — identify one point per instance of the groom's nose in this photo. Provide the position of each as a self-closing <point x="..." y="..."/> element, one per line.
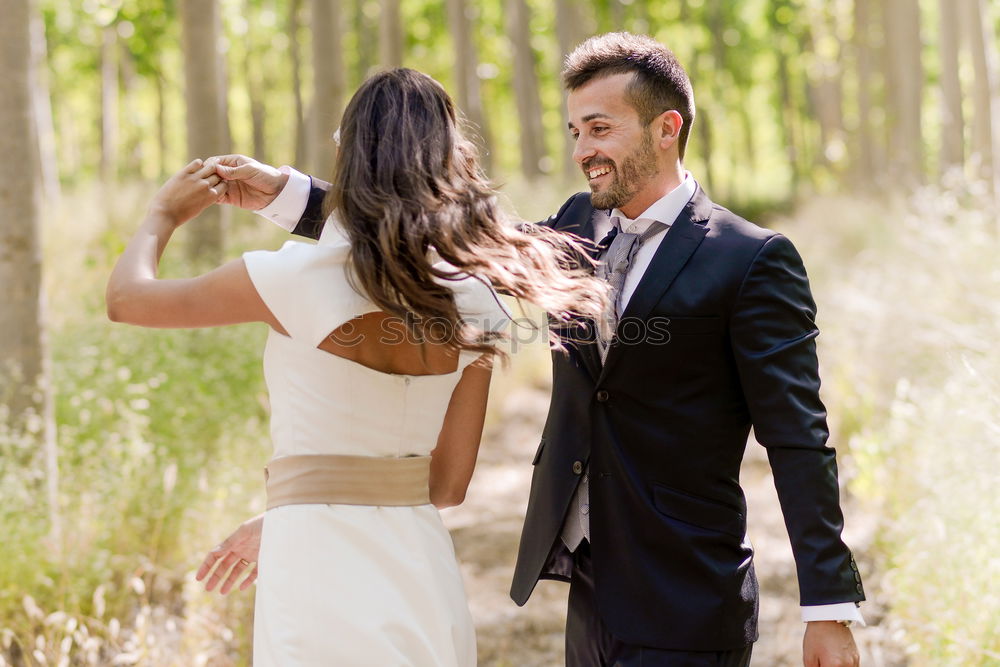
<point x="583" y="150"/>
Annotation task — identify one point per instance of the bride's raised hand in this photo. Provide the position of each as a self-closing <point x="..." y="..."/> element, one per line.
<point x="233" y="557"/>
<point x="251" y="184"/>
<point x="189" y="192"/>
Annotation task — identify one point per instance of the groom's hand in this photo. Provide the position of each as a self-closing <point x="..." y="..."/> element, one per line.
<point x="829" y="644"/>
<point x="252" y="185"/>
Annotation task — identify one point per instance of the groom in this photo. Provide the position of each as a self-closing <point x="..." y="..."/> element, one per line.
<point x="635" y="499"/>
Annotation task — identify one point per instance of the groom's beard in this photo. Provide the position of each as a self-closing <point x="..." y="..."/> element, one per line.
<point x="635" y="171"/>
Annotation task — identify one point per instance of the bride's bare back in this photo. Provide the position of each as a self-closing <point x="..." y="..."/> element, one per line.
<point x="380" y="341"/>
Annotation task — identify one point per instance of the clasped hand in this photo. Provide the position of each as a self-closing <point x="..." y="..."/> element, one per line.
<point x="222" y="179"/>
<point x="189" y="192"/>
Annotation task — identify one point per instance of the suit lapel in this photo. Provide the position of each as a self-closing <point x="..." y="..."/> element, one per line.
<point x="581" y="222"/>
<point x="676" y="248"/>
<point x="589" y="353"/>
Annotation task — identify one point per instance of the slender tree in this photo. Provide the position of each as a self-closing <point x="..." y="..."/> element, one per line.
<point x="863" y="147"/>
<point x="529" y="105"/>
<point x="391" y="35"/>
<point x="20" y="253"/>
<point x="569" y="32"/>
<point x="109" y="103"/>
<point x="905" y="91"/>
<point x="42" y="103"/>
<point x="826" y="82"/>
<point x="328" y="81"/>
<point x="207" y="129"/>
<point x="366" y="38"/>
<point x="986" y="90"/>
<point x="255" y="86"/>
<point x="467" y="89"/>
<point x="952" y="126"/>
<point x="161" y="122"/>
<point x="784" y="106"/>
<point x="295" y="52"/>
<point x="25" y="393"/>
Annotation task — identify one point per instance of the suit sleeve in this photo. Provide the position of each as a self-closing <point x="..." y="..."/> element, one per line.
<point x="774" y="334"/>
<point x="310" y="225"/>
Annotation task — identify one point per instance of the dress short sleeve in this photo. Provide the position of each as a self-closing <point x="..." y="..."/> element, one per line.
<point x="481" y="307"/>
<point x="306" y="287"/>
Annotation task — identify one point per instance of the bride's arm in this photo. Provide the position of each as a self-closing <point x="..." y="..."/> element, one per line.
<point x="223" y="296"/>
<point x="454" y="458"/>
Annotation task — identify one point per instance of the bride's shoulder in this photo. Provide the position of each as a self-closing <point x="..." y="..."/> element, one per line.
<point x="476" y="299"/>
<point x="331" y="252"/>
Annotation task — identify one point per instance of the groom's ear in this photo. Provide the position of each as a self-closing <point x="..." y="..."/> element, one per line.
<point x="667" y="128"/>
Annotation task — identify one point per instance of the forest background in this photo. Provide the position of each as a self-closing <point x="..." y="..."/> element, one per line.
<point x="867" y="130"/>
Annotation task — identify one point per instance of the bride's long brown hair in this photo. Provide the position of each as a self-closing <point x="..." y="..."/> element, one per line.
<point x="405" y="181"/>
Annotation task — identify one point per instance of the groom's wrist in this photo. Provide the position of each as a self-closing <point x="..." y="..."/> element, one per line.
<point x="837" y="612"/>
<point x="289" y="204"/>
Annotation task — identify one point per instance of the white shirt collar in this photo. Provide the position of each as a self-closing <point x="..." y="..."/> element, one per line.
<point x="665" y="209"/>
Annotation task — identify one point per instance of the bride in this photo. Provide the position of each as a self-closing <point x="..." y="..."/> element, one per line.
<point x="378" y="364"/>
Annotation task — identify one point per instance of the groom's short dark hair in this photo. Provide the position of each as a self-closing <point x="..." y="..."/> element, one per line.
<point x="660" y="82"/>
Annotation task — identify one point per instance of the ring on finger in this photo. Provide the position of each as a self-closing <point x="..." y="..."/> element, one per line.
<point x="244" y="562"/>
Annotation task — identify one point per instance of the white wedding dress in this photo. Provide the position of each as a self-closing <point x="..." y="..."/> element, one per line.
<point x="351" y="585"/>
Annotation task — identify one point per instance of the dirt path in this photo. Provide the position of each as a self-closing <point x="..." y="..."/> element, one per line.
<point x="486" y="529"/>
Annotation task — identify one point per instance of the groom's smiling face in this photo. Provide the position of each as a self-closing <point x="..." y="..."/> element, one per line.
<point x="613" y="148"/>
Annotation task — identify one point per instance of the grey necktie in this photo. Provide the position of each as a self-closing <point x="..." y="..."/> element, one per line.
<point x="614" y="268"/>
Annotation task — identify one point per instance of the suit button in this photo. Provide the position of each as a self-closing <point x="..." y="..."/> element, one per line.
<point x="602" y="396"/>
<point x="860" y="590"/>
<point x="857" y="577"/>
<point x="577" y="467"/>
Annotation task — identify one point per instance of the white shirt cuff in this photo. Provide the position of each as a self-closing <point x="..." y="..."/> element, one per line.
<point x="287" y="208"/>
<point x="842" y="611"/>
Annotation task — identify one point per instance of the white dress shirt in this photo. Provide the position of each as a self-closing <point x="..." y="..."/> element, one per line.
<point x="287" y="208"/>
<point x="665" y="210"/>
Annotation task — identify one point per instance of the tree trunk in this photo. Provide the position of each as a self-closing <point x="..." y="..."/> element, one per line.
<point x="294" y="33"/>
<point x="468" y="94"/>
<point x="529" y="106"/>
<point x="952" y="127"/>
<point x="328" y="80"/>
<point x="705" y="135"/>
<point x="617" y="14"/>
<point x="569" y="33"/>
<point x="25" y="393"/>
<point x="109" y="104"/>
<point x="254" y="79"/>
<point x="863" y="144"/>
<point x="986" y="105"/>
<point x="206" y="127"/>
<point x="826" y="89"/>
<point x="391" y="35"/>
<point x="161" y="124"/>
<point x="134" y="137"/>
<point x="905" y="90"/>
<point x="367" y="40"/>
<point x="749" y="137"/>
<point x="785" y="114"/>
<point x="48" y="161"/>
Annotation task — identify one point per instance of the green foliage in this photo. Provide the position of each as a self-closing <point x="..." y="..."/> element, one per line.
<point x="910" y="301"/>
<point x="162" y="440"/>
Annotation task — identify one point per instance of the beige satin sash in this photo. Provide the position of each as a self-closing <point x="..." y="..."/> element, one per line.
<point x="348" y="480"/>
